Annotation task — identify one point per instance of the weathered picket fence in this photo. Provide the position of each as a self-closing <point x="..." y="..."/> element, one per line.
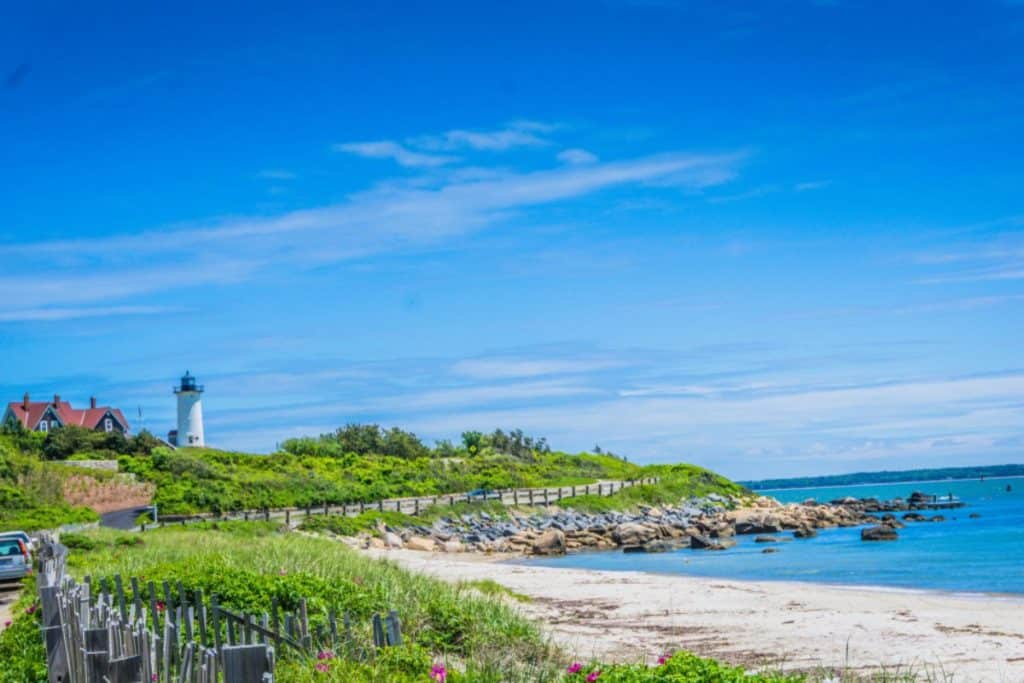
<point x="128" y="632"/>
<point x="415" y="505"/>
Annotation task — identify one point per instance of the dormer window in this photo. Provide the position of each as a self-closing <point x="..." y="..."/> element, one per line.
<point x="44" y="426"/>
<point x="108" y="424"/>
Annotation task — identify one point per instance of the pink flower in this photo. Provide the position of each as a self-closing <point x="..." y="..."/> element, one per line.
<point x="594" y="675"/>
<point x="663" y="659"/>
<point x="31" y="609"/>
<point x="438" y="673"/>
<point x="160" y="606"/>
<point x="154" y="678"/>
<point x="7" y="624"/>
<point x="574" y="668"/>
<point x="323" y="667"/>
<point x="325" y="654"/>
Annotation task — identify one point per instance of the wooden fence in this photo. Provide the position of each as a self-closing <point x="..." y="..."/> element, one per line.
<point x="413" y="506"/>
<point x="122" y="631"/>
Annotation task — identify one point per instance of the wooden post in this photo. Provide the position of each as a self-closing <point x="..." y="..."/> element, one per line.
<point x="515" y="496"/>
<point x="362" y="507"/>
<point x="246" y="663"/>
<point x="266" y="514"/>
<point x="394" y="629"/>
<point x="127" y="669"/>
<point x="380" y="505"/>
<point x="531" y="496"/>
<point x="325" y="508"/>
<point x="56" y="655"/>
<point x="416" y="507"/>
<point x="287" y="517"/>
<point x="379" y="640"/>
<point x="119" y="590"/>
<point x="97" y="657"/>
<point x="201" y="615"/>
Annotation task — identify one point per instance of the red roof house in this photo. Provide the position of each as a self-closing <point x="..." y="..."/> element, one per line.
<point x="42" y="416"/>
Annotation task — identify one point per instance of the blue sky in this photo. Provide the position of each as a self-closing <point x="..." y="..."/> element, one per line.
<point x="773" y="238"/>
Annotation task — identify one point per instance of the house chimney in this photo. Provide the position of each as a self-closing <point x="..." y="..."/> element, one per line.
<point x="56" y="400"/>
<point x="92" y="402"/>
<point x="24" y="401"/>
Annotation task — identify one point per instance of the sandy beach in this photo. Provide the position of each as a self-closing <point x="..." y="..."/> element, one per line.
<point x="628" y="616"/>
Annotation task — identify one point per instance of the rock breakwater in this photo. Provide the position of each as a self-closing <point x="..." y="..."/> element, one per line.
<point x="706" y="523"/>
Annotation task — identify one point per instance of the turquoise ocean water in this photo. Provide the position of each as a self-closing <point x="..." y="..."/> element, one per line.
<point x="960" y="554"/>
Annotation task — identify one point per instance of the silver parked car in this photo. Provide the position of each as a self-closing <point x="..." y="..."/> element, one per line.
<point x="15" y="562"/>
<point x="25" y="538"/>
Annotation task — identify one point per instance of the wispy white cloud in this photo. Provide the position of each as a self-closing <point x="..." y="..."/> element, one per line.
<point x="505" y="368"/>
<point x="577" y="156"/>
<point x="811" y="185"/>
<point x="389" y="149"/>
<point x="390" y="218"/>
<point x="1000" y="257"/>
<point x="910" y="422"/>
<point x="741" y="196"/>
<point x="59" y="314"/>
<point x="517" y="134"/>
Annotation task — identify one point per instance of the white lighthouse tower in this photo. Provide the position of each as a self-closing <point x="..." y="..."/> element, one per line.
<point x="190" y="412"/>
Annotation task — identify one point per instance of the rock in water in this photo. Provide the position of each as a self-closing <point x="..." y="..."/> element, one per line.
<point x="805" y="532"/>
<point x="766" y="539"/>
<point x="770" y="550"/>
<point x="660" y="546"/>
<point x="551" y="542"/>
<point x="878" y="533"/>
<point x="701" y="542"/>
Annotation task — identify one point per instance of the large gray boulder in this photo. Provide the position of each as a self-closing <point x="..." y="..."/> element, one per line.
<point x="551" y="542"/>
<point x="421" y="543"/>
<point x="632" y="534"/>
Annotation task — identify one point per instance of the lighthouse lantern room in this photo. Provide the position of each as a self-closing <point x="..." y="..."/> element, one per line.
<point x="190" y="413"/>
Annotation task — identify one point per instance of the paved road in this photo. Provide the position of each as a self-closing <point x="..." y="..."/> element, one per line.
<point x="122" y="519"/>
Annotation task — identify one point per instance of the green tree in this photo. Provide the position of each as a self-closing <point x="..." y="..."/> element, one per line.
<point x="63" y="442"/>
<point x="473" y="441"/>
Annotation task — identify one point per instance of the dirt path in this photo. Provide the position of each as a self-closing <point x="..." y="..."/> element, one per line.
<point x="8" y="595"/>
<point x="628" y="616"/>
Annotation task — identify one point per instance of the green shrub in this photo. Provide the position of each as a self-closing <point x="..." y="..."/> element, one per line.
<point x="250" y="565"/>
<point x="676" y="483"/>
<point x="366" y="522"/>
<point x="681" y="667"/>
<point x="21" y="645"/>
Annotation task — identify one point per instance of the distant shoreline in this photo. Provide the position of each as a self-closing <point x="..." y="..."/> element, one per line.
<point x="883" y="483"/>
<point x="923" y="475"/>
